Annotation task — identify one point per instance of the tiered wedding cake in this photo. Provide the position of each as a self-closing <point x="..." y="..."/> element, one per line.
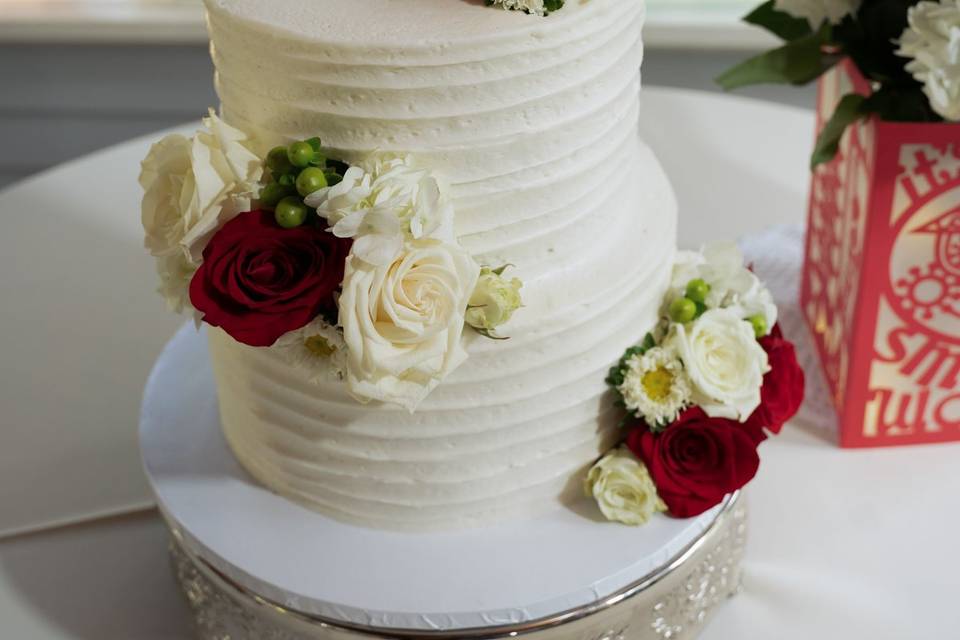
<point x="532" y="122"/>
<point x="438" y="272"/>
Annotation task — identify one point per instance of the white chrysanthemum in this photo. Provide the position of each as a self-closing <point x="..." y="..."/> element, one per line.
<point x="623" y="488"/>
<point x="318" y="349"/>
<point x="817" y="11"/>
<point x="530" y="6"/>
<point x="932" y="40"/>
<point x="383" y="203"/>
<point x="732" y="285"/>
<point x="655" y="386"/>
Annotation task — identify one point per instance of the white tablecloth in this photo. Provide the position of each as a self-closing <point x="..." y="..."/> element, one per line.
<point x="844" y="544"/>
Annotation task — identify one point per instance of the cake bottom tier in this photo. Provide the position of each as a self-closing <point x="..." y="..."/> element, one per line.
<point x="673" y="602"/>
<point x="509" y="434"/>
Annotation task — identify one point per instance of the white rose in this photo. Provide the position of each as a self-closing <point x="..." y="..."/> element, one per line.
<point x="932" y="39"/>
<point x="623" y="488"/>
<point x="193" y="186"/>
<point x="403" y="322"/>
<point x="382" y="205"/>
<point x="724" y="362"/>
<point x="818" y="11"/>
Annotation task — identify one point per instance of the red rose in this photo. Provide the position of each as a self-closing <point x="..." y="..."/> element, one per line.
<point x="783" y="385"/>
<point x="698" y="460"/>
<point x="258" y="281"/>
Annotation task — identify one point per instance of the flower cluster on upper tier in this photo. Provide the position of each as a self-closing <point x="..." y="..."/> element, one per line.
<point x="701" y="392"/>
<point x="533" y="7"/>
<point x="347" y="272"/>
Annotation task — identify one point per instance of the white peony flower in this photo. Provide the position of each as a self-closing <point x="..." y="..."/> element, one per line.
<point x="724" y="362"/>
<point x="655" y="386"/>
<point x="732" y="285"/>
<point x="535" y="7"/>
<point x="493" y="301"/>
<point x="382" y="205"/>
<point x="623" y="488"/>
<point x="318" y="349"/>
<point x="932" y="40"/>
<point x="193" y="186"/>
<point x="403" y="321"/>
<point x="818" y="11"/>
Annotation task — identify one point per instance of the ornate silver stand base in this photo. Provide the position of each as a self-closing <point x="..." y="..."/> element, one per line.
<point x="672" y="603"/>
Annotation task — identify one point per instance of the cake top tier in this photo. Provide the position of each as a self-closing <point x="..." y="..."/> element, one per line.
<point x="419" y="24"/>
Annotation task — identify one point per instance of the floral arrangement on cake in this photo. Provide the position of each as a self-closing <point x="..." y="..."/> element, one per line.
<point x="909" y="50"/>
<point x="347" y="272"/>
<point x="533" y="7"/>
<point x="701" y="392"/>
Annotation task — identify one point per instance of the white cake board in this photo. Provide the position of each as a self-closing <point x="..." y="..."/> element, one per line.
<point x="505" y="574"/>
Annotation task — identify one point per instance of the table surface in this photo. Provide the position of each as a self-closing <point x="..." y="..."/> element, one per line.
<point x="844" y="544"/>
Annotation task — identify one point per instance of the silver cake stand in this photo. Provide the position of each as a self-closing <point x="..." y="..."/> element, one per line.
<point x="255" y="566"/>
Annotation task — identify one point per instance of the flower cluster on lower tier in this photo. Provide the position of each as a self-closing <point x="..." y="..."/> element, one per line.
<point x="348" y="272"/>
<point x="701" y="392"/>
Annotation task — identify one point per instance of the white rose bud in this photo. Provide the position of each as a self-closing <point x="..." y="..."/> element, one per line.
<point x="623" y="489"/>
<point x="494" y="300"/>
<point x="724" y="362"/>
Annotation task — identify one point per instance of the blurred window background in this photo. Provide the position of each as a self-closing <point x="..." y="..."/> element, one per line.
<point x="79" y="75"/>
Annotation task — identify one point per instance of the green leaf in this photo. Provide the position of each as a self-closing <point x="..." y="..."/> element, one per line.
<point x="797" y="62"/>
<point x="849" y="110"/>
<point x="778" y="23"/>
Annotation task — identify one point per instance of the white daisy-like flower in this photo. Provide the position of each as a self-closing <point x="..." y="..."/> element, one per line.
<point x="535" y="7"/>
<point x="655" y="387"/>
<point x="318" y="349"/>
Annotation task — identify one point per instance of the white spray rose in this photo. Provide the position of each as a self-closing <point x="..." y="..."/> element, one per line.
<point x="932" y="40"/>
<point x="175" y="271"/>
<point x="724" y="362"/>
<point x="403" y="322"/>
<point x="623" y="488"/>
<point x="383" y="205"/>
<point x="494" y="300"/>
<point x="192" y="186"/>
<point x="818" y="11"/>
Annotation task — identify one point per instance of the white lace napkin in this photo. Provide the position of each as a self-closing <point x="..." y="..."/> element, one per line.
<point x="776" y="254"/>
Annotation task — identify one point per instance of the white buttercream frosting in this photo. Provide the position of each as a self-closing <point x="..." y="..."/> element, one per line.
<point x="531" y="122"/>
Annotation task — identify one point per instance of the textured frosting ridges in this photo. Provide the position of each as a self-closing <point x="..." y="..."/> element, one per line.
<point x="532" y="123"/>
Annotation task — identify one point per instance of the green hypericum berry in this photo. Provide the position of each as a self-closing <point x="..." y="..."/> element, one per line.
<point x="278" y="162"/>
<point x="300" y="154"/>
<point x="290" y="212"/>
<point x="273" y="193"/>
<point x="315" y="143"/>
<point x="697" y="290"/>
<point x="759" y="323"/>
<point x="287" y="180"/>
<point x="310" y="180"/>
<point x="683" y="310"/>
